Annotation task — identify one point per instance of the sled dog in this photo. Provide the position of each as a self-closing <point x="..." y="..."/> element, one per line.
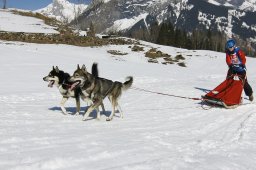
<point x="61" y="79"/>
<point x="98" y="88"/>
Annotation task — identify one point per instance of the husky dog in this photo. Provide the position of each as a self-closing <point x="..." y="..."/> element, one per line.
<point x="98" y="88"/>
<point x="61" y="79"/>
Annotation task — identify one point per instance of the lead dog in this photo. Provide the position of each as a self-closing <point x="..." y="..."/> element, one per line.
<point x="98" y="88"/>
<point x="61" y="79"/>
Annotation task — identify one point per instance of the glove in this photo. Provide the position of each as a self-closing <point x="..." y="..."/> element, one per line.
<point x="235" y="68"/>
<point x="243" y="66"/>
<point x="232" y="68"/>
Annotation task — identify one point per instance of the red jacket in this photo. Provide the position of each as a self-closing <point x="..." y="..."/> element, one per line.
<point x="235" y="58"/>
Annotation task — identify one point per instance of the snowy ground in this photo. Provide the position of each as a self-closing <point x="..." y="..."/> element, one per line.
<point x="16" y="23"/>
<point x="157" y="132"/>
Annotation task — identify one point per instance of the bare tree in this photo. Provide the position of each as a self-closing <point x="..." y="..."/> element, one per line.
<point x="4" y="1"/>
<point x="91" y="32"/>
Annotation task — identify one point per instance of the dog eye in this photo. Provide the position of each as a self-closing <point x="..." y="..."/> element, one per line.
<point x="76" y="75"/>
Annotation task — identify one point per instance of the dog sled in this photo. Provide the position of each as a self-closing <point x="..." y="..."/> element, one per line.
<point x="227" y="94"/>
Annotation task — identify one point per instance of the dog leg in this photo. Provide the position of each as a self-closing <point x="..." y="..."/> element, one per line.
<point x="98" y="112"/>
<point x="112" y="114"/>
<point x="77" y="105"/>
<point x="91" y="108"/>
<point x="113" y="110"/>
<point x="102" y="107"/>
<point x="62" y="103"/>
<point x="120" y="111"/>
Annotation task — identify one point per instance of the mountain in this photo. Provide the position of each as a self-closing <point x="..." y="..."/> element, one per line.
<point x="63" y="10"/>
<point x="245" y="5"/>
<point x="233" y="17"/>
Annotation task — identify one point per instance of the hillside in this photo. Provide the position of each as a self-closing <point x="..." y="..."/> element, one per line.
<point x="27" y="26"/>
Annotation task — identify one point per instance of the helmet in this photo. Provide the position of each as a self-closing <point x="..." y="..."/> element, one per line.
<point x="230" y="43"/>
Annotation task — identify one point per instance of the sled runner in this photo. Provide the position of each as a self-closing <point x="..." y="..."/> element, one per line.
<point x="227" y="94"/>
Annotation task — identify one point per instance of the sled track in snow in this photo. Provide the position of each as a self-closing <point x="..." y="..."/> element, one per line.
<point x="241" y="130"/>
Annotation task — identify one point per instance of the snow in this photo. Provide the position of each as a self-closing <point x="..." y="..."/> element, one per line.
<point x="248" y="5"/>
<point x="157" y="131"/>
<point x="106" y="1"/>
<point x="228" y="4"/>
<point x="125" y="23"/>
<point x="16" y="23"/>
<point x="213" y="2"/>
<point x="245" y="5"/>
<point x="203" y="18"/>
<point x="63" y="10"/>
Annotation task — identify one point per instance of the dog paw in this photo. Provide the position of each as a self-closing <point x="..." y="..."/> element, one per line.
<point x="77" y="113"/>
<point x="65" y="113"/>
<point x="84" y="118"/>
<point x="109" y="119"/>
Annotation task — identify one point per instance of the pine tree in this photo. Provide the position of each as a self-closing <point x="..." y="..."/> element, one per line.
<point x="178" y="40"/>
<point x="170" y="34"/>
<point x="163" y="34"/>
<point x="154" y="32"/>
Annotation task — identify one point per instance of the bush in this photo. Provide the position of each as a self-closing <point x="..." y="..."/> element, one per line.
<point x="182" y="64"/>
<point x="137" y="48"/>
<point x="115" y="52"/>
<point x="153" y="53"/>
<point x="179" y="57"/>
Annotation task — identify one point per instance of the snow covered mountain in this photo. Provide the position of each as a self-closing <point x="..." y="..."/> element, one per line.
<point x="245" y="5"/>
<point x="233" y="17"/>
<point x="63" y="10"/>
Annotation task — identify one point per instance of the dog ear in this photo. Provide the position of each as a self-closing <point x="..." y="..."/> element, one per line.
<point x="84" y="68"/>
<point x="53" y="68"/>
<point x="78" y="68"/>
<point x="57" y="69"/>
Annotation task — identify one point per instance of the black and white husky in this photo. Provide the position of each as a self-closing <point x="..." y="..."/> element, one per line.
<point x="61" y="79"/>
<point x="98" y="88"/>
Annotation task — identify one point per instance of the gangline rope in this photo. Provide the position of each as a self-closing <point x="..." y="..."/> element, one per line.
<point x="165" y="94"/>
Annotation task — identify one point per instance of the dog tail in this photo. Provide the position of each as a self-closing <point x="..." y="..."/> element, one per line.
<point x="95" y="72"/>
<point x="128" y="83"/>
